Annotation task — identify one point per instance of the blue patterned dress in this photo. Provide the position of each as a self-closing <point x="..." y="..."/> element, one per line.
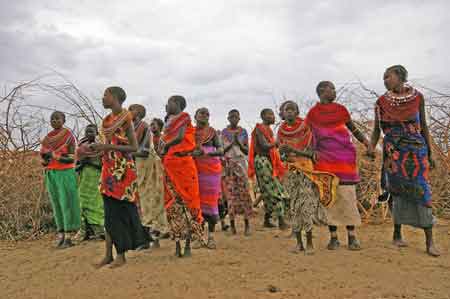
<point x="405" y="159"/>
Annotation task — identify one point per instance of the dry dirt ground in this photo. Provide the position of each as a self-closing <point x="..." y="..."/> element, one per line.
<point x="240" y="268"/>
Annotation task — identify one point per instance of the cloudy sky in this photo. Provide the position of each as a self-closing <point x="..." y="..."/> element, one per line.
<point x="245" y="54"/>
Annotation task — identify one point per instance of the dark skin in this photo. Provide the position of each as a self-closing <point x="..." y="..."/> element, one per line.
<point x="90" y="133"/>
<point x="137" y="117"/>
<point x="233" y="119"/>
<point x="290" y="114"/>
<point x="172" y="108"/>
<point x="155" y="128"/>
<point x="111" y="102"/>
<point x="57" y="121"/>
<point x="393" y="83"/>
<point x="268" y="119"/>
<point x="202" y="120"/>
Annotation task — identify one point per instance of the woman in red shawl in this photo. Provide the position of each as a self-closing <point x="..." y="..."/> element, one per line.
<point x="265" y="163"/>
<point x="400" y="114"/>
<point x="181" y="190"/>
<point x="118" y="182"/>
<point x="332" y="129"/>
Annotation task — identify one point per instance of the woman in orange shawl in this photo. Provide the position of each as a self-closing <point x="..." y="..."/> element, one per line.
<point x="181" y="191"/>
<point x="265" y="163"/>
<point x="309" y="191"/>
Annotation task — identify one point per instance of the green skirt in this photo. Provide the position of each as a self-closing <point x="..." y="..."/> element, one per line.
<point x="91" y="200"/>
<point x="63" y="193"/>
<point x="274" y="196"/>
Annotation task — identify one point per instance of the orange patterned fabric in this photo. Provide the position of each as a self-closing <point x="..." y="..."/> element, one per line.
<point x="58" y="142"/>
<point x="119" y="177"/>
<point x="181" y="178"/>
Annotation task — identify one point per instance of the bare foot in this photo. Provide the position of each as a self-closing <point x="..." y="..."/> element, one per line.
<point x="432" y="251"/>
<point x="197" y="244"/>
<point x="105" y="261"/>
<point x="400" y="243"/>
<point x="298" y="248"/>
<point x="211" y="244"/>
<point x="187" y="252"/>
<point x="118" y="262"/>
<point x="309" y="249"/>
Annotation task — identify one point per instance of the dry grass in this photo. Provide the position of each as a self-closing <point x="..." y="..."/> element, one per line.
<point x="25" y="211"/>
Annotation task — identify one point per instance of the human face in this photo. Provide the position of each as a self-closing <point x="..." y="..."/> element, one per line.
<point x="269" y="117"/>
<point x="290" y="112"/>
<point x="57" y="120"/>
<point x="90" y="133"/>
<point x="234" y="119"/>
<point x="135" y="112"/>
<point x="391" y="80"/>
<point x="154" y="127"/>
<point x="172" y="107"/>
<point x="328" y="93"/>
<point x="108" y="100"/>
<point x="202" y="116"/>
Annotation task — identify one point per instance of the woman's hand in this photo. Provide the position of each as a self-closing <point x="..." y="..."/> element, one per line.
<point x="284" y="148"/>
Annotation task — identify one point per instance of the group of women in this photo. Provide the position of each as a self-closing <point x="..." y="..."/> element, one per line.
<point x="175" y="179"/>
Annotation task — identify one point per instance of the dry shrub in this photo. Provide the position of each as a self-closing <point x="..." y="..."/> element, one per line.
<point x="25" y="211"/>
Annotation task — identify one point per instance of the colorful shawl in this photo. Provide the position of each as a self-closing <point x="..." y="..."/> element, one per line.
<point x="277" y="165"/>
<point x="227" y="138"/>
<point x="299" y="136"/>
<point x="405" y="170"/>
<point x="58" y="142"/>
<point x="332" y="141"/>
<point x="392" y="108"/>
<point x="181" y="178"/>
<point x="118" y="178"/>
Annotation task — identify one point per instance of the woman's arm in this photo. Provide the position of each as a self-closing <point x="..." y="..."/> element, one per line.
<point x="425" y="130"/>
<point x="144" y="148"/>
<point x="175" y="141"/>
<point x="262" y="142"/>
<point x="375" y="135"/>
<point x="219" y="148"/>
<point x="357" y="133"/>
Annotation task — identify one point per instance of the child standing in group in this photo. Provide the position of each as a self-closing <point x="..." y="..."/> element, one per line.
<point x="57" y="152"/>
<point x="89" y="168"/>
<point x="235" y="186"/>
<point x="265" y="163"/>
<point x="118" y="183"/>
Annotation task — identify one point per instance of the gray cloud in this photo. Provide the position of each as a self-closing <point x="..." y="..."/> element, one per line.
<point x="222" y="54"/>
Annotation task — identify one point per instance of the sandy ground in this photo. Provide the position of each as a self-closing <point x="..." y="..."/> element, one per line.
<point x="240" y="268"/>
